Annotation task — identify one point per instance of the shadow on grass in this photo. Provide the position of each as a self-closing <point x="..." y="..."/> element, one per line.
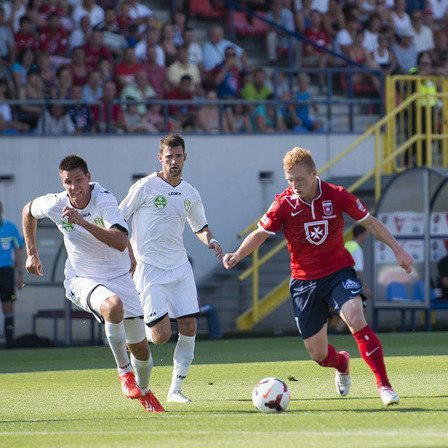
<point x="225" y="351"/>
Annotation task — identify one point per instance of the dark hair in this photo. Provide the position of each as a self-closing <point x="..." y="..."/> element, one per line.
<point x="172" y="140"/>
<point x="358" y="230"/>
<point x="72" y="162"/>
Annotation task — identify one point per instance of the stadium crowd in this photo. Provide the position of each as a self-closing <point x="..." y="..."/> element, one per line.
<point x="114" y="62"/>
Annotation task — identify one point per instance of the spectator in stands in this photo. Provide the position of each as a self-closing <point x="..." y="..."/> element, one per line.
<point x="55" y="121"/>
<point x="34" y="14"/>
<point x="64" y="82"/>
<point x="195" y="55"/>
<point x="361" y="56"/>
<point x="106" y="68"/>
<point x="302" y="14"/>
<point x="14" y="11"/>
<point x="214" y="49"/>
<point x="124" y="19"/>
<point x="156" y="73"/>
<point x="439" y="9"/>
<point x="132" y="36"/>
<point x="8" y="124"/>
<point x="208" y="119"/>
<point x="80" y="69"/>
<point x="109" y="116"/>
<point x="371" y="33"/>
<point x="134" y="121"/>
<point x="384" y="56"/>
<point x="47" y="73"/>
<point x="267" y="119"/>
<point x="80" y="112"/>
<point x="183" y="67"/>
<point x="345" y="37"/>
<point x="93" y="90"/>
<point x="405" y="51"/>
<point x="7" y="43"/>
<point x="139" y="13"/>
<point x="382" y="9"/>
<point x="313" y="56"/>
<point x="26" y="37"/>
<point x="228" y="75"/>
<point x="80" y="35"/>
<point x="278" y="43"/>
<point x="91" y="9"/>
<point x="54" y="40"/>
<point x="179" y="23"/>
<point x="299" y="113"/>
<point x="257" y="89"/>
<point x="400" y="18"/>
<point x="112" y="37"/>
<point x="333" y="20"/>
<point x="150" y="40"/>
<point x="139" y="90"/>
<point x="155" y="117"/>
<point x="126" y="69"/>
<point x="423" y="35"/>
<point x="95" y="49"/>
<point x="240" y="120"/>
<point x="167" y="43"/>
<point x="365" y="8"/>
<point x="184" y="114"/>
<point x="33" y="90"/>
<point x="26" y="61"/>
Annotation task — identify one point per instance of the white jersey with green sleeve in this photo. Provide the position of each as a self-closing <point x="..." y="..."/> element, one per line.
<point x="86" y="255"/>
<point x="159" y="212"/>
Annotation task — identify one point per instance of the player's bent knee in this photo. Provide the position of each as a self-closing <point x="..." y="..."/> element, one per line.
<point x="112" y="309"/>
<point x="160" y="338"/>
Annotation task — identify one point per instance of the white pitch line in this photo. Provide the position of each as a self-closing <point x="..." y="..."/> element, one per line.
<point x="381" y="433"/>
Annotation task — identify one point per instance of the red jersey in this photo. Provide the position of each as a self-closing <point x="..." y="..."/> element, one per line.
<point x="320" y="37"/>
<point x="315" y="232"/>
<point x="54" y="41"/>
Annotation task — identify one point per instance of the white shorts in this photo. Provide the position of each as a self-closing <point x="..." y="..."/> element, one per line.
<point x="163" y="291"/>
<point x="88" y="294"/>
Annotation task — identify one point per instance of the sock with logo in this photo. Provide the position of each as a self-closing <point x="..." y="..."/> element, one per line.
<point x="9" y="329"/>
<point x="142" y="372"/>
<point x="334" y="359"/>
<point x="372" y="353"/>
<point x="116" y="336"/>
<point x="183" y="357"/>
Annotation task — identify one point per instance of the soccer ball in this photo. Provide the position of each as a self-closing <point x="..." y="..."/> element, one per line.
<point x="270" y="395"/>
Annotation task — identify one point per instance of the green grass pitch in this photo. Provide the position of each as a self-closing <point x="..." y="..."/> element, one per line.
<point x="70" y="397"/>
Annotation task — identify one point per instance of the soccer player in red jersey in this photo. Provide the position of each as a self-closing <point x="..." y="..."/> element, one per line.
<point x="323" y="280"/>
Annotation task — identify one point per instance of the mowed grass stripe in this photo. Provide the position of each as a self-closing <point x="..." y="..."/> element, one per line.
<point x="77" y="408"/>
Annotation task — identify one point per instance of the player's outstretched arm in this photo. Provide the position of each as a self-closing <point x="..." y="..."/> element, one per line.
<point x="33" y="265"/>
<point x="252" y="242"/>
<point x="380" y="232"/>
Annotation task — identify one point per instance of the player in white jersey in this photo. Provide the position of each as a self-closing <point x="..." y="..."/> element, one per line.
<point x="97" y="277"/>
<point x="159" y="205"/>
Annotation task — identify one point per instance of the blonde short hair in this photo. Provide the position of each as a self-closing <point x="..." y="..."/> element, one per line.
<point x="298" y="156"/>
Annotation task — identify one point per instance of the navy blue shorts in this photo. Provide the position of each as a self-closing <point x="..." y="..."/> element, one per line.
<point x="7" y="285"/>
<point x="314" y="301"/>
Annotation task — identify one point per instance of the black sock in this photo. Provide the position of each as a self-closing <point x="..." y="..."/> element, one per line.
<point x="9" y="328"/>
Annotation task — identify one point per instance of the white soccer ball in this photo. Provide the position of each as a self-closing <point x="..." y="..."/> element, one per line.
<point x="270" y="395"/>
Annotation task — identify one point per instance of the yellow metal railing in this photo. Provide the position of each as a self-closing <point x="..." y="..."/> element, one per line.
<point x="395" y="141"/>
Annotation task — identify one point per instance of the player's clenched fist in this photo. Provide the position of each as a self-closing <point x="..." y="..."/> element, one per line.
<point x="230" y="260"/>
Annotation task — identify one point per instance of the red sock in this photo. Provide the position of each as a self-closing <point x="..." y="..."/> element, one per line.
<point x="372" y="353"/>
<point x="334" y="359"/>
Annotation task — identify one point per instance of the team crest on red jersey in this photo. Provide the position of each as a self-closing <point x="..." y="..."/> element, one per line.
<point x="327" y="207"/>
<point x="316" y="232"/>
